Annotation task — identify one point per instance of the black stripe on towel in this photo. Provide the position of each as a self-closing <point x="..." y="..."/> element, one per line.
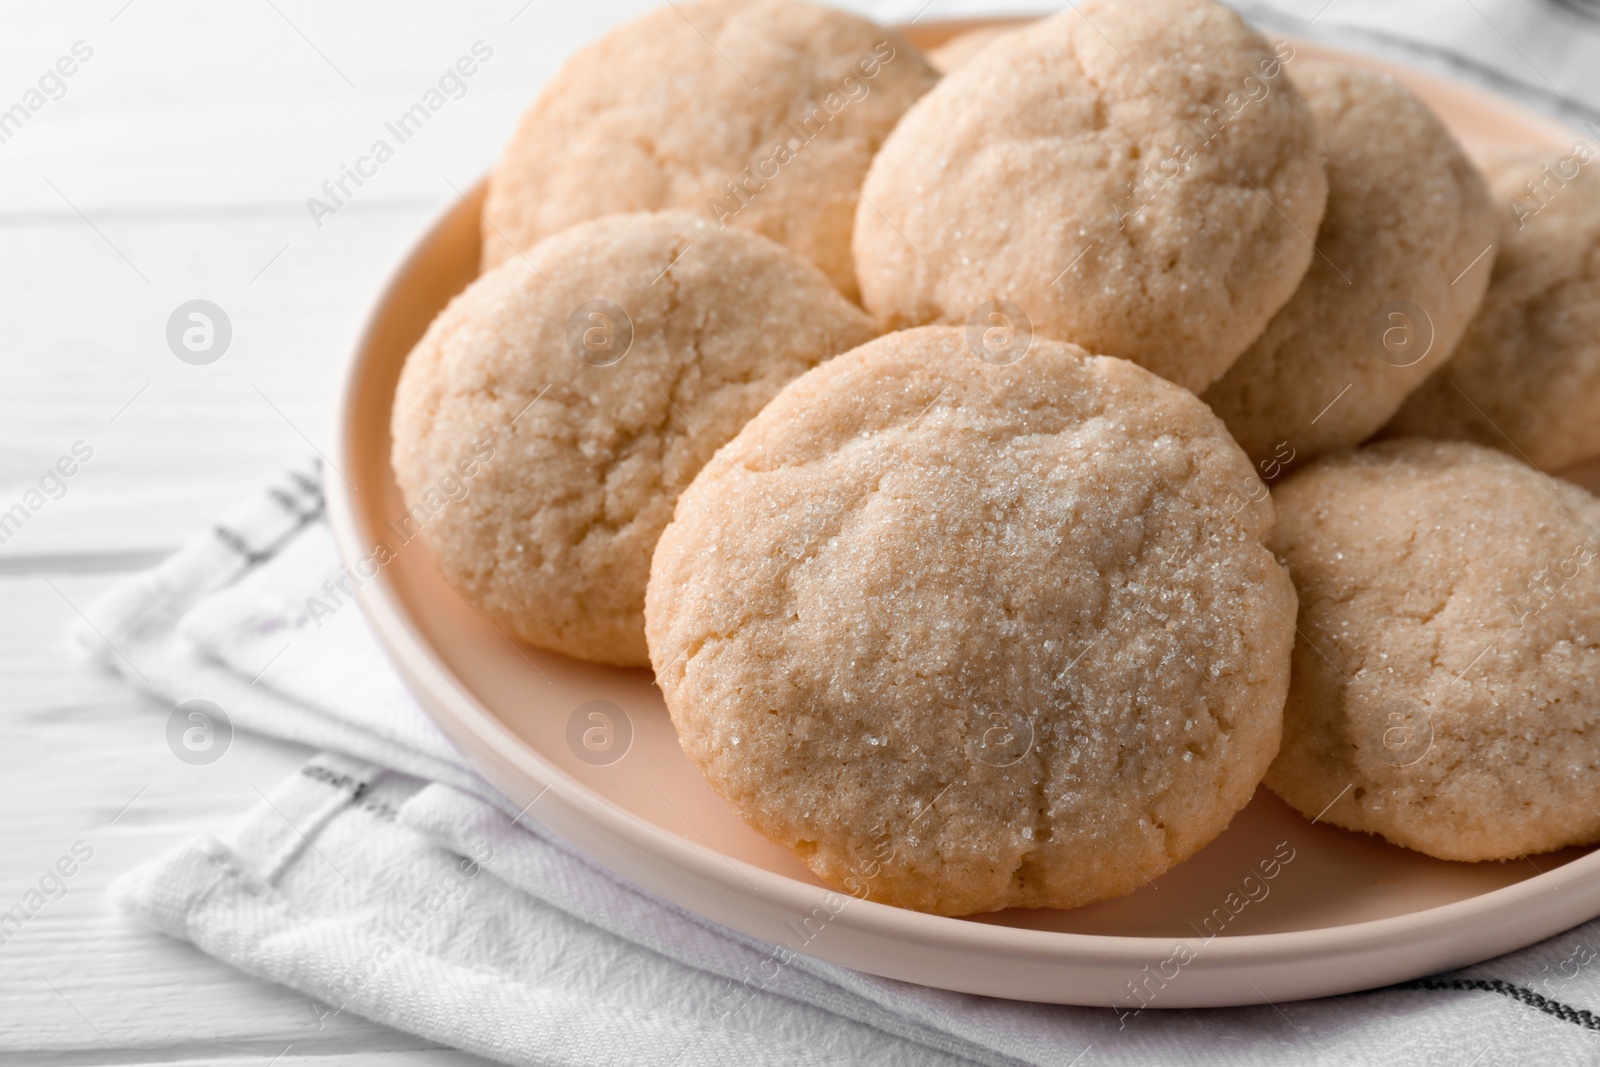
<point x="1565" y="1012"/>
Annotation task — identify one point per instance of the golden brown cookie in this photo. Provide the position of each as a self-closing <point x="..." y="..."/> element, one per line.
<point x="1526" y="376"/>
<point x="1141" y="179"/>
<point x="758" y="113"/>
<point x="1404" y="254"/>
<point x="968" y="635"/>
<point x="599" y="375"/>
<point x="1446" y="689"/>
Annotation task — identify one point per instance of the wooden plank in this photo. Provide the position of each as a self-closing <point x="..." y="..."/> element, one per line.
<point x="175" y="444"/>
<point x="83" y="758"/>
<point x="259" y="104"/>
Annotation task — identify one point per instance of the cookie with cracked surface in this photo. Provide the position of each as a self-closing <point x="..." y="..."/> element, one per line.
<point x="1526" y="376"/>
<point x="1390" y="293"/>
<point x="967" y="636"/>
<point x="600" y="374"/>
<point x="1141" y="179"/>
<point x="1446" y="687"/>
<point x="760" y="113"/>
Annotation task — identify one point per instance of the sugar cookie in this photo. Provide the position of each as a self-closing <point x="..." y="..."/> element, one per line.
<point x="758" y="113"/>
<point x="1401" y="267"/>
<point x="1446" y="689"/>
<point x="1526" y="376"/>
<point x="600" y="374"/>
<point x="968" y="636"/>
<point x="1139" y="179"/>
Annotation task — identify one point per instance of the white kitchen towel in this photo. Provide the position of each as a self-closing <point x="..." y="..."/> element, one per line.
<point x="330" y="889"/>
<point x="386" y="879"/>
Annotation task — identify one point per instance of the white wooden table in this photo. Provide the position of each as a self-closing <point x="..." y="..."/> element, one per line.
<point x="175" y="163"/>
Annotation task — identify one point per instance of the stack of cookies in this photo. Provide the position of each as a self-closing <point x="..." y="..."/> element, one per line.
<point x="917" y="431"/>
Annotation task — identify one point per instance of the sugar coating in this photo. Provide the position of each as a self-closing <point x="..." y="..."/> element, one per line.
<point x="1526" y="375"/>
<point x="967" y="637"/>
<point x="552" y="540"/>
<point x="1407" y="214"/>
<point x="1446" y="684"/>
<point x="665" y="110"/>
<point x="958" y="50"/>
<point x="1072" y="172"/>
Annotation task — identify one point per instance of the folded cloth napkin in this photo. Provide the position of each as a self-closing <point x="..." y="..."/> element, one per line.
<point x="385" y="878"/>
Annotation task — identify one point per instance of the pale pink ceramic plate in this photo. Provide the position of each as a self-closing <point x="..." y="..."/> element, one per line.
<point x="1342" y="911"/>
